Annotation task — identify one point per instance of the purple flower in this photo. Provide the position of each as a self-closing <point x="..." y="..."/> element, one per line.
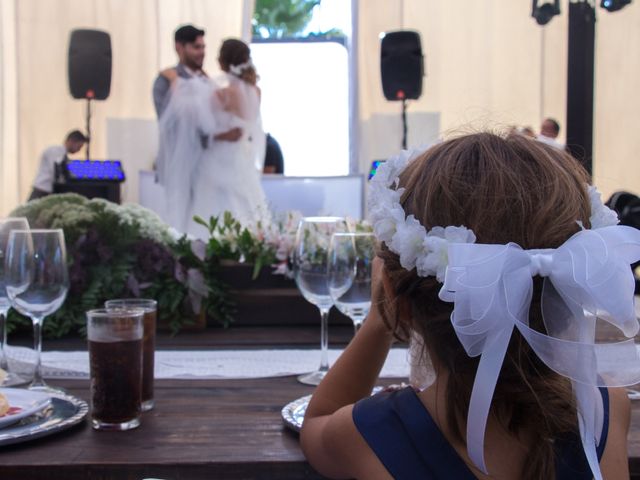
<point x="152" y="259"/>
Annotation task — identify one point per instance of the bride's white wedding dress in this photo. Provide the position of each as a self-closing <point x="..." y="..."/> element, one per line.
<point x="228" y="173"/>
<point x="206" y="177"/>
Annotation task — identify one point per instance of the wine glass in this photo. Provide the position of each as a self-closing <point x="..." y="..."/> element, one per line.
<point x="37" y="281"/>
<point x="6" y="225"/>
<point x="350" y="261"/>
<point x="310" y="272"/>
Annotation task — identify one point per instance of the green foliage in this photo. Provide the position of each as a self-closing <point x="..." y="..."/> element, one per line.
<point x="230" y="240"/>
<point x="126" y="251"/>
<point x="335" y="33"/>
<point x="114" y="251"/>
<point x="282" y="18"/>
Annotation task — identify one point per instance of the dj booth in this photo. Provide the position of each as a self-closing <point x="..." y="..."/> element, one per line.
<point x="90" y="178"/>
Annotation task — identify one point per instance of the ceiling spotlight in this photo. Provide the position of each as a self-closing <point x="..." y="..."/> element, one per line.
<point x="545" y="12"/>
<point x="613" y="5"/>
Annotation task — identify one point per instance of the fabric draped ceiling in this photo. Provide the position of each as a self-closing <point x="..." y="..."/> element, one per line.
<point x="488" y="64"/>
<point x="36" y="108"/>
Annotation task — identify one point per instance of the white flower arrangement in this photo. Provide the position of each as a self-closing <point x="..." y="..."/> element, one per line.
<point x="403" y="235"/>
<point x="74" y="213"/>
<point x="264" y="242"/>
<point x="241" y="67"/>
<point x="280" y="236"/>
<point x="426" y="251"/>
<point x="149" y="224"/>
<point x="601" y="215"/>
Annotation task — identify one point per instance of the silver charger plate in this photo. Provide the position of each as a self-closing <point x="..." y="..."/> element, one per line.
<point x="64" y="412"/>
<point x="293" y="413"/>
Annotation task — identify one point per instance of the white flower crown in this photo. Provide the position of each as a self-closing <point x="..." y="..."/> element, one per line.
<point x="426" y="251"/>
<point x="238" y="69"/>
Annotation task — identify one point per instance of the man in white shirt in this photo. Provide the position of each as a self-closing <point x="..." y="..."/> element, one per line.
<point x="50" y="158"/>
<point x="549" y="131"/>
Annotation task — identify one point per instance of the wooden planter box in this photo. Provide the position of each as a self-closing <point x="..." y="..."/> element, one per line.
<point x="199" y="323"/>
<point x="270" y="299"/>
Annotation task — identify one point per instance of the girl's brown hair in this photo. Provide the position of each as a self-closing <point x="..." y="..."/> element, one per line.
<point x="236" y="52"/>
<point x="511" y="189"/>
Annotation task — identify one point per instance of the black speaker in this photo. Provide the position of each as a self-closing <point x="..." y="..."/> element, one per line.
<point x="90" y="64"/>
<point x="401" y="65"/>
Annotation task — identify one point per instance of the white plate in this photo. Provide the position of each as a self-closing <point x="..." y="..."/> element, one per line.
<point x="27" y="401"/>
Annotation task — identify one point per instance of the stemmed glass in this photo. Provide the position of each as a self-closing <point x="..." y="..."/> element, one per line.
<point x="37" y="281"/>
<point x="310" y="271"/>
<point x="6" y="225"/>
<point x="350" y="261"/>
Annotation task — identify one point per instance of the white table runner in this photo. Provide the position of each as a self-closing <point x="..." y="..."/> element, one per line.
<point x="209" y="364"/>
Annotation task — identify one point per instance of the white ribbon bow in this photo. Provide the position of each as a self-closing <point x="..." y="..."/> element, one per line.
<point x="587" y="276"/>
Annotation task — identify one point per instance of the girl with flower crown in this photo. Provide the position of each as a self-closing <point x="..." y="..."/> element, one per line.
<point x="498" y="256"/>
<point x="228" y="175"/>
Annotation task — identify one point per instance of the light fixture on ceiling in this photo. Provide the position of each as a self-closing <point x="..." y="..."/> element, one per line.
<point x="545" y="12"/>
<point x="614" y="5"/>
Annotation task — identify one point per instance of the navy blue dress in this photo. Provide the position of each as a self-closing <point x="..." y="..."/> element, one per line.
<point x="405" y="438"/>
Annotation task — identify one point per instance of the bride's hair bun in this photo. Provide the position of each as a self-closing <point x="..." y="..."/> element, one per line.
<point x="235" y="57"/>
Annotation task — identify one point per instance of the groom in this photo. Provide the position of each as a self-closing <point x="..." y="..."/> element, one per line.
<point x="190" y="48"/>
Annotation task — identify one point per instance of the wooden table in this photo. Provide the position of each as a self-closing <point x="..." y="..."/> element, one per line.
<point x="200" y="429"/>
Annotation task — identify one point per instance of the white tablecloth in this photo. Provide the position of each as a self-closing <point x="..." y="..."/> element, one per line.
<point x="229" y="364"/>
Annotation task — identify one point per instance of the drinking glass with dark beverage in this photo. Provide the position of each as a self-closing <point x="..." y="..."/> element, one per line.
<point x="150" y="308"/>
<point x="115" y="365"/>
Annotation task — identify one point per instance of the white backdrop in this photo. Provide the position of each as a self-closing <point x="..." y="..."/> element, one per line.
<point x="487" y="63"/>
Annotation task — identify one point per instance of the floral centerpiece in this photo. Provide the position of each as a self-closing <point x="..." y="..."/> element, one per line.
<point x="113" y="251"/>
<point x="259" y="244"/>
<point x="117" y="251"/>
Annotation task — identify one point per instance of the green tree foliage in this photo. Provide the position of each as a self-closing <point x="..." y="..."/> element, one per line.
<point x="282" y="18"/>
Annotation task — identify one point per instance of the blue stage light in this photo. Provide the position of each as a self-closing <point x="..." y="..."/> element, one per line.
<point x="103" y="170"/>
<point x="614" y="5"/>
<point x="374" y="166"/>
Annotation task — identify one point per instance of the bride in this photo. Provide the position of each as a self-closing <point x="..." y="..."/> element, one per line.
<point x="227" y="176"/>
<point x="203" y="172"/>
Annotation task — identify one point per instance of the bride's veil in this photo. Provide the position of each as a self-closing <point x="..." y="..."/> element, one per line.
<point x="250" y="107"/>
<point x="243" y="101"/>
<point x="185" y="126"/>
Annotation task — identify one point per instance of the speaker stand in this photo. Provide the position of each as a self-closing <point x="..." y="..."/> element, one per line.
<point x="88" y="125"/>
<point x="404" y="124"/>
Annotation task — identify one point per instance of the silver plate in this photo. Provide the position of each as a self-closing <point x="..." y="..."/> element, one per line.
<point x="64" y="412"/>
<point x="293" y="413"/>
